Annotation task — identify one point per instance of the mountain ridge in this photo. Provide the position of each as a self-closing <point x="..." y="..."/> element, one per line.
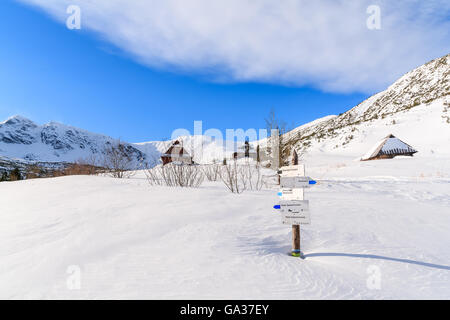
<point x="24" y="140"/>
<point x="422" y="86"/>
<point x="420" y="95"/>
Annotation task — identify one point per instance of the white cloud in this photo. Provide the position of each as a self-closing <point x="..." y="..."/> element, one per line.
<point x="322" y="43"/>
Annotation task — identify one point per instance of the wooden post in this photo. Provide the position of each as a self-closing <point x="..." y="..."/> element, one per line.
<point x="296" y="250"/>
<point x="296" y="241"/>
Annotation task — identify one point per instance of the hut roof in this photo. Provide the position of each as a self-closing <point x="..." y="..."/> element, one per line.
<point x="176" y="149"/>
<point x="390" y="145"/>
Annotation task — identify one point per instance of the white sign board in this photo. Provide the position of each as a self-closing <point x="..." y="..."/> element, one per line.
<point x="291" y="194"/>
<point x="292" y="171"/>
<point x="295" y="212"/>
<point x="295" y="182"/>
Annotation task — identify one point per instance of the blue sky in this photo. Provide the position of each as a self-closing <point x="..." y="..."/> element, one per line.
<point x="89" y="80"/>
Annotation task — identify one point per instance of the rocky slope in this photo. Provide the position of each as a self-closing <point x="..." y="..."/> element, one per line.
<point x="22" y="142"/>
<point x="425" y="87"/>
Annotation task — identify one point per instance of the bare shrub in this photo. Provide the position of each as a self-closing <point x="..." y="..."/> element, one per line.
<point x="34" y="172"/>
<point x="212" y="171"/>
<point x="231" y="177"/>
<point x="154" y="176"/>
<point x="92" y="162"/>
<point x="176" y="175"/>
<point x="117" y="161"/>
<point x="84" y="166"/>
<point x="241" y="177"/>
<point x="77" y="169"/>
<point x="251" y="176"/>
<point x="15" y="175"/>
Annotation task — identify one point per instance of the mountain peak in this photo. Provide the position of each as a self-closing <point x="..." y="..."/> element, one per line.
<point x="17" y="119"/>
<point x="419" y="98"/>
<point x="21" y="138"/>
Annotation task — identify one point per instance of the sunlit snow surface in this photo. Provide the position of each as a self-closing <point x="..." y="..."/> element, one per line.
<point x="131" y="240"/>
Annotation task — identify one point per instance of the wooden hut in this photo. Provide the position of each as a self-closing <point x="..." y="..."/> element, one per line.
<point x="389" y="148"/>
<point x="176" y="154"/>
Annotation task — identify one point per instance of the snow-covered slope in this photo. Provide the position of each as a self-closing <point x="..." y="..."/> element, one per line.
<point x="24" y="140"/>
<point x="423" y="128"/>
<point x="125" y="239"/>
<point x="415" y="109"/>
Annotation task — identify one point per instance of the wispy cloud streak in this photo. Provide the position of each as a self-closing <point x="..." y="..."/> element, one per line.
<point x="321" y="43"/>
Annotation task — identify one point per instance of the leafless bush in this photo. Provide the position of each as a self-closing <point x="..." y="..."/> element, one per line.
<point x="82" y="167"/>
<point x="230" y="175"/>
<point x="92" y="161"/>
<point x="175" y="175"/>
<point x="240" y="177"/>
<point x="117" y="161"/>
<point x="85" y="166"/>
<point x="15" y="175"/>
<point x="251" y="176"/>
<point x="154" y="176"/>
<point x="34" y="171"/>
<point x="79" y="169"/>
<point x="212" y="171"/>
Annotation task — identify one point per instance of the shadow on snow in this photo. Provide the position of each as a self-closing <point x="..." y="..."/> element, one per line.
<point x="372" y="256"/>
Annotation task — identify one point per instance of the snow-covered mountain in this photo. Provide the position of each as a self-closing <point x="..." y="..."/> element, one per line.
<point x="22" y="140"/>
<point x="415" y="108"/>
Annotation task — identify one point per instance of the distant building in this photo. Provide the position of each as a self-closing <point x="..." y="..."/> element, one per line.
<point x="389" y="148"/>
<point x="247" y="152"/>
<point x="176" y="154"/>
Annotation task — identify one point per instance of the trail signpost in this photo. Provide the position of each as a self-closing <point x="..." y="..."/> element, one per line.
<point x="290" y="193"/>
<point x="293" y="208"/>
<point x="296" y="182"/>
<point x="295" y="212"/>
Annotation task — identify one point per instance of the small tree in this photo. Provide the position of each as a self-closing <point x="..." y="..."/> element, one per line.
<point x="274" y="123"/>
<point x="118" y="160"/>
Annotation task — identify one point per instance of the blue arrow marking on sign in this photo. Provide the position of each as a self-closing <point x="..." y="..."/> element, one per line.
<point x="277" y="207"/>
<point x="312" y="182"/>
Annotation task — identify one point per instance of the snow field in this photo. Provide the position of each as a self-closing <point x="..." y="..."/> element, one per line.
<point x="131" y="240"/>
